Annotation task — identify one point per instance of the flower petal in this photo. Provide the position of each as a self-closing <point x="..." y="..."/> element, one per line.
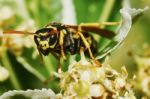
<point x="96" y="90"/>
<point x="30" y="94"/>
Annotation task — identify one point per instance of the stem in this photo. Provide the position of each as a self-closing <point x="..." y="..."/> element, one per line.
<point x="7" y="64"/>
<point x="107" y="10"/>
<point x="30" y="69"/>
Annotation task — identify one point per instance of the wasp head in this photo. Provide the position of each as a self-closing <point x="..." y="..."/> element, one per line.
<point x="46" y="39"/>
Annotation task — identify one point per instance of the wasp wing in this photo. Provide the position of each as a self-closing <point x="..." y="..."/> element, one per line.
<point x="96" y="29"/>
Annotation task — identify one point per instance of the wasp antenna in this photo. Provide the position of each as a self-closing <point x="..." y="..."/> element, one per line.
<point x="18" y="32"/>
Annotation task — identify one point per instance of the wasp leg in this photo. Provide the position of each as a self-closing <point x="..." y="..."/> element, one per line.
<point x="59" y="67"/>
<point x="41" y="56"/>
<point x="110" y="23"/>
<point x="103" y="24"/>
<point x="100" y="25"/>
<point x="63" y="57"/>
<point x="85" y="42"/>
<point x="89" y="50"/>
<point x="88" y="46"/>
<point x="61" y="42"/>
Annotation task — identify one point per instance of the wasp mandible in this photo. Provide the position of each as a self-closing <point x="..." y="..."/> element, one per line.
<point x="61" y="39"/>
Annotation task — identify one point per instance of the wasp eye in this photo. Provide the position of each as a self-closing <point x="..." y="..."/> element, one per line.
<point x="53" y="39"/>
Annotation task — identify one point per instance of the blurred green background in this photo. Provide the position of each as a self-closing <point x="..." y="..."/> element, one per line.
<point x="30" y="15"/>
<point x="138" y="37"/>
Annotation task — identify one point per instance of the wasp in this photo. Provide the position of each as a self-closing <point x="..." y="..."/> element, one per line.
<point x="61" y="39"/>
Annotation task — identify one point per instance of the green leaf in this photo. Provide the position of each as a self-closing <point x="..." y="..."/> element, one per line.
<point x="88" y="10"/>
<point x="127" y="15"/>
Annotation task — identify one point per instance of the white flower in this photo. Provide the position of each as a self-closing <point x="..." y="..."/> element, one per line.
<point x="99" y="74"/>
<point x="109" y="85"/>
<point x="145" y="85"/>
<point x="4" y="74"/>
<point x="119" y="83"/>
<point x="27" y="25"/>
<point x="129" y="95"/>
<point x="30" y="94"/>
<point x="82" y="88"/>
<point x="143" y="62"/>
<point x="5" y="13"/>
<point x="96" y="90"/>
<point x="83" y="81"/>
<point x="85" y="75"/>
<point x="15" y="43"/>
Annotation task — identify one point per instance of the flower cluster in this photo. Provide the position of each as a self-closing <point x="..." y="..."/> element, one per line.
<point x="14" y="43"/>
<point x="85" y="80"/>
<point x="143" y="75"/>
